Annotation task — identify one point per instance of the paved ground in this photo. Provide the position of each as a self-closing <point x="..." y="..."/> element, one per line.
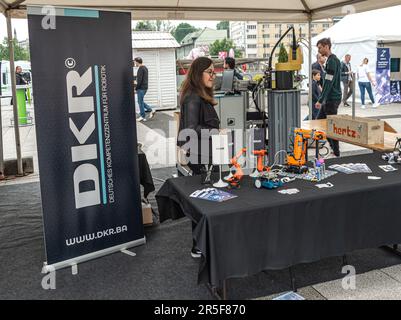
<point x="382" y="283"/>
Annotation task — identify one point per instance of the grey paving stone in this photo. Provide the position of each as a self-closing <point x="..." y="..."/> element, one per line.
<point x="394" y="272"/>
<point x="373" y="285"/>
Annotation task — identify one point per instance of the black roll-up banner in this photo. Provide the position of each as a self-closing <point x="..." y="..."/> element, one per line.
<point x="86" y="132"/>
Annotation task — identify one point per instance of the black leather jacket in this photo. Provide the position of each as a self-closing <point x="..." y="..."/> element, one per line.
<point x="19" y="79"/>
<point x="197" y="114"/>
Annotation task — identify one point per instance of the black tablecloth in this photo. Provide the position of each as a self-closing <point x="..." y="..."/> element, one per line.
<point x="145" y="176"/>
<point x="262" y="229"/>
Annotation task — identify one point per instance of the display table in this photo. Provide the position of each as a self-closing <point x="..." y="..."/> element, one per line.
<point x="390" y="137"/>
<point x="262" y="229"/>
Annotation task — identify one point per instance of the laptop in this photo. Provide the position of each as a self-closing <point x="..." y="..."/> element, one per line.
<point x="227" y="81"/>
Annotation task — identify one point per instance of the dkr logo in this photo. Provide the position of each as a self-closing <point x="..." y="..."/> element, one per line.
<point x="383" y="54"/>
<point x="83" y="152"/>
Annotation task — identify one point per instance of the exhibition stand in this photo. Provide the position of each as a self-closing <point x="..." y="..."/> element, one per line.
<point x="263" y="229"/>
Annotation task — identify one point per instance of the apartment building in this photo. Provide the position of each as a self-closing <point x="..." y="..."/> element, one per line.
<point x="245" y="37"/>
<point x="257" y="39"/>
<point x="270" y="33"/>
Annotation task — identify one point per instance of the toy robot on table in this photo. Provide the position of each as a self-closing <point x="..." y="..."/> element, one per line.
<point x="395" y="156"/>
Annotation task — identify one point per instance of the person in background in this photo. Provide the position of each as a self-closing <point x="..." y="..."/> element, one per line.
<point x="198" y="113"/>
<point x="365" y="82"/>
<point x="141" y="89"/>
<point x="19" y="77"/>
<point x="229" y="64"/>
<point x="319" y="65"/>
<point x="316" y="92"/>
<point x="346" y="79"/>
<point x="331" y="95"/>
<point x="19" y="80"/>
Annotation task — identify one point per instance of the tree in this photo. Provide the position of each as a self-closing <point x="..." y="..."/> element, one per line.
<point x="145" y="25"/>
<point x="19" y="52"/>
<point x="282" y="55"/>
<point x="223" y="25"/>
<point x="163" y="25"/>
<point x="223" y="46"/>
<point x="182" y="30"/>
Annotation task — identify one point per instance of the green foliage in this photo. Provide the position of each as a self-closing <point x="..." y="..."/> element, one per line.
<point x="19" y="52"/>
<point x="153" y="25"/>
<point x="164" y="25"/>
<point x="145" y="25"/>
<point x="223" y="25"/>
<point x="282" y="55"/>
<point x="182" y="30"/>
<point x="223" y="45"/>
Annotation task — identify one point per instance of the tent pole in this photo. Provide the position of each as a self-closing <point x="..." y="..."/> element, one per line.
<point x="14" y="93"/>
<point x="310" y="66"/>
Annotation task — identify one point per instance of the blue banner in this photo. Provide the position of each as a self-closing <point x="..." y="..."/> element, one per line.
<point x="383" y="59"/>
<point x="394" y="89"/>
<point x="86" y="132"/>
<point x="383" y="90"/>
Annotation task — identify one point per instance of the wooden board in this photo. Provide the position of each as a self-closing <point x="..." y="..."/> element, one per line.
<point x="389" y="128"/>
<point x="389" y="137"/>
<point x="356" y="130"/>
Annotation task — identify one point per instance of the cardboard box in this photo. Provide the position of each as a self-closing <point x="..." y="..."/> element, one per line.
<point x="355" y="130"/>
<point x="147" y="215"/>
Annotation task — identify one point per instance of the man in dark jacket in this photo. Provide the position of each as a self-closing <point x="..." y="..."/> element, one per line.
<point x="330" y="98"/>
<point x="19" y="77"/>
<point x="141" y="88"/>
<point x="19" y="80"/>
<point x="229" y="64"/>
<point x="319" y="65"/>
<point x="346" y="78"/>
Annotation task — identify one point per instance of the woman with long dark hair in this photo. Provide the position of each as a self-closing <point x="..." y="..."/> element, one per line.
<point x="197" y="114"/>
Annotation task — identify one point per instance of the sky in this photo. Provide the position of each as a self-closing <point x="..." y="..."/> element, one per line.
<point x="21" y="26"/>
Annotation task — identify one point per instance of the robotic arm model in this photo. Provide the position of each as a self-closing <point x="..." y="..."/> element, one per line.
<point x="297" y="159"/>
<point x="234" y="181"/>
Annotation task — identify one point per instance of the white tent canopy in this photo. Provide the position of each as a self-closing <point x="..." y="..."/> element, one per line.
<point x="378" y="25"/>
<point x="266" y="10"/>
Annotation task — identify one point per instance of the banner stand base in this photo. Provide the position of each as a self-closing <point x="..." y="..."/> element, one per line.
<point x="74" y="269"/>
<point x="128" y="252"/>
<point x="73" y="263"/>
